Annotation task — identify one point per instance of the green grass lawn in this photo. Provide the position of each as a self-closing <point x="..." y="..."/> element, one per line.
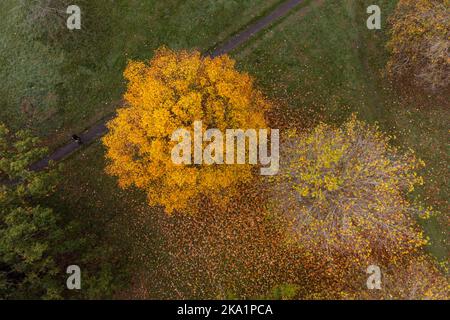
<point x="76" y="79"/>
<point x="323" y="63"/>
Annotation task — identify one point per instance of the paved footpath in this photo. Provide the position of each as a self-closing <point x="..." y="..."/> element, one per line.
<point x="100" y="129"/>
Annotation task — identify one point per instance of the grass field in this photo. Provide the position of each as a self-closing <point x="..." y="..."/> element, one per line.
<point x="76" y="79"/>
<point x="320" y="65"/>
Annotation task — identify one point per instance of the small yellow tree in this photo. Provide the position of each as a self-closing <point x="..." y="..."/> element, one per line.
<point x="341" y="196"/>
<point x="170" y="92"/>
<point x="343" y="192"/>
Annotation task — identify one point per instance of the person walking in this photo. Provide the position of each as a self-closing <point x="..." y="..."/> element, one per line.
<point x="77" y="139"/>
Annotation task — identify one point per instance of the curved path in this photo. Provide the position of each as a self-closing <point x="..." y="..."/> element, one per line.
<point x="100" y="129"/>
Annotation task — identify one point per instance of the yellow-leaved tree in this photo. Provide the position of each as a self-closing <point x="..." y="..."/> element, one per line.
<point x="341" y="196"/>
<point x="344" y="189"/>
<point x="170" y="92"/>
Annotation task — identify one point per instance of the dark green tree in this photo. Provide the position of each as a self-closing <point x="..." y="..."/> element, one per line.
<point x="30" y="238"/>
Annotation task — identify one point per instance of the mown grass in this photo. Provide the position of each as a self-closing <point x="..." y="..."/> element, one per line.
<point x="76" y="79"/>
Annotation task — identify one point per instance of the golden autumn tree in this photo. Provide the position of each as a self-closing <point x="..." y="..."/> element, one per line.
<point x="420" y="42"/>
<point x="169" y="92"/>
<point x="341" y="193"/>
